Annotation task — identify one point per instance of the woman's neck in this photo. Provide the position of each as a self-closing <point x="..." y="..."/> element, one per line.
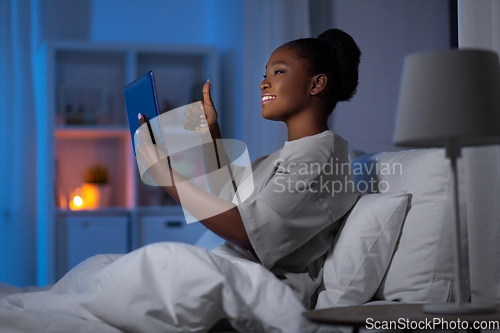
<point x="306" y="124"/>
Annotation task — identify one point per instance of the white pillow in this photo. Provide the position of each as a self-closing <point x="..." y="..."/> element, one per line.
<point x="421" y="270"/>
<point x="357" y="264"/>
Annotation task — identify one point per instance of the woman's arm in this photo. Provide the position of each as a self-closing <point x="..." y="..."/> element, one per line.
<point x="224" y="217"/>
<point x="205" y="123"/>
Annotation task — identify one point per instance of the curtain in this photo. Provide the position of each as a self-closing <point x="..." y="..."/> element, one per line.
<point x="18" y="163"/>
<point x="268" y="24"/>
<point x="479" y="27"/>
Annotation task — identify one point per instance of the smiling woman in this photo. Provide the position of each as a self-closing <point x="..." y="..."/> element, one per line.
<point x="287" y="231"/>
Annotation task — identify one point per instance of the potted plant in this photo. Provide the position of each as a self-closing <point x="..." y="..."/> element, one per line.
<point x="96" y="189"/>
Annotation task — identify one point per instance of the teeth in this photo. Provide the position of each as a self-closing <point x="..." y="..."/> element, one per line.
<point x="267" y="97"/>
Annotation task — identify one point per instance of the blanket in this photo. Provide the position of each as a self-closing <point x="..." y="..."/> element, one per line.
<point x="163" y="287"/>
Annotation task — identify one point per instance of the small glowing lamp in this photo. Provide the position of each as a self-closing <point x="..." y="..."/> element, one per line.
<point x="77" y="202"/>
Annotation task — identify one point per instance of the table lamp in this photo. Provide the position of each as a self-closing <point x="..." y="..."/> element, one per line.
<point x="450" y="99"/>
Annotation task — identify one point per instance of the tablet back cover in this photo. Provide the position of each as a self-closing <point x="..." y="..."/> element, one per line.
<point x="140" y="97"/>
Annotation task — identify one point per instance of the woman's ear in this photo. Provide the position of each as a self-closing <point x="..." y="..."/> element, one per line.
<point x="318" y="83"/>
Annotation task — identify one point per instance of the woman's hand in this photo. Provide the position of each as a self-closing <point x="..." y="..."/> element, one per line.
<point x="151" y="158"/>
<point x="199" y="119"/>
<point x="146" y="151"/>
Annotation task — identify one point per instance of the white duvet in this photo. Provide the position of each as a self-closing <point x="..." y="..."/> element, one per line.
<point x="163" y="287"/>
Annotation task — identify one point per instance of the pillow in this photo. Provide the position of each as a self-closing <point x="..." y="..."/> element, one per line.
<point x="421" y="270"/>
<point x="359" y="259"/>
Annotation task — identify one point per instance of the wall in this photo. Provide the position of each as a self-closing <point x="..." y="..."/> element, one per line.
<point x="61" y="19"/>
<point x="151" y="21"/>
<point x="385" y="31"/>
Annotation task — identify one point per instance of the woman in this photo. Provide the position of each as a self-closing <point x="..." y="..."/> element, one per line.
<point x="290" y="220"/>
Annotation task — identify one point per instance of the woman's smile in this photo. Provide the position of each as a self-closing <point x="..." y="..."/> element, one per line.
<point x="266" y="98"/>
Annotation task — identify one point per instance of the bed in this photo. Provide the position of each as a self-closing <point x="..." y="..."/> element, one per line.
<point x="393" y="247"/>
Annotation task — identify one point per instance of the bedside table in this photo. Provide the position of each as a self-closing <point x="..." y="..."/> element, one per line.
<point x="404" y="317"/>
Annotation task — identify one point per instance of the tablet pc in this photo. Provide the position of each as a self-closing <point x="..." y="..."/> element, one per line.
<point x="140" y="97"/>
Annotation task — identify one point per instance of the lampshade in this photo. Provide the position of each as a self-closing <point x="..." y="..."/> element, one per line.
<point x="449" y="95"/>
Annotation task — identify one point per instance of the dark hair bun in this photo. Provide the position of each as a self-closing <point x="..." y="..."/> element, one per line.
<point x="348" y="57"/>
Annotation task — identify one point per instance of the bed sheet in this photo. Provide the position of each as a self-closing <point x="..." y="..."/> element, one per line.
<point x="163" y="287"/>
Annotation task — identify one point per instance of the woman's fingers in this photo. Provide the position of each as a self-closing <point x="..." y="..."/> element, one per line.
<point x="191" y="116"/>
<point x="143" y="131"/>
<point x="196" y="108"/>
<point x="142" y="118"/>
<point x="195" y="119"/>
<point x="195" y="122"/>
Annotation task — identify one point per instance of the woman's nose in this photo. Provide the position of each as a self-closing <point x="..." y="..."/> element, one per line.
<point x="264" y="84"/>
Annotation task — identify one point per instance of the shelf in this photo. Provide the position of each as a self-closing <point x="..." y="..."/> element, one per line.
<point x="91" y="132"/>
<point x="106" y="211"/>
<point x="113" y="211"/>
<point x="102" y="70"/>
<point x="78" y="150"/>
<point x="82" y="121"/>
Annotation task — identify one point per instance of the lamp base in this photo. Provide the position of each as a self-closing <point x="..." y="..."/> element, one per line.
<point x="454" y="308"/>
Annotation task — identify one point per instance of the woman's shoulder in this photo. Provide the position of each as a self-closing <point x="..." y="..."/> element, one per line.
<point x="317" y="148"/>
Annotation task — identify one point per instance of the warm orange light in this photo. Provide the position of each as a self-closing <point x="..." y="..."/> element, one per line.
<point x="91" y="194"/>
<point x="89" y="197"/>
<point x="77" y="200"/>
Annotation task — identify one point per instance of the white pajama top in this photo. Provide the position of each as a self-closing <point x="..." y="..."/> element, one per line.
<point x="301" y="193"/>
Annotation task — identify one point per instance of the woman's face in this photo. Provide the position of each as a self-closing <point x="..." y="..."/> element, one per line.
<point x="286" y="84"/>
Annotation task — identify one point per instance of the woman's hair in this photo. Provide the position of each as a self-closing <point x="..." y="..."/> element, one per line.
<point x="335" y="54"/>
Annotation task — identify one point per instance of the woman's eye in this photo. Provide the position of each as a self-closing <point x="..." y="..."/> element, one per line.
<point x="276" y="72"/>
